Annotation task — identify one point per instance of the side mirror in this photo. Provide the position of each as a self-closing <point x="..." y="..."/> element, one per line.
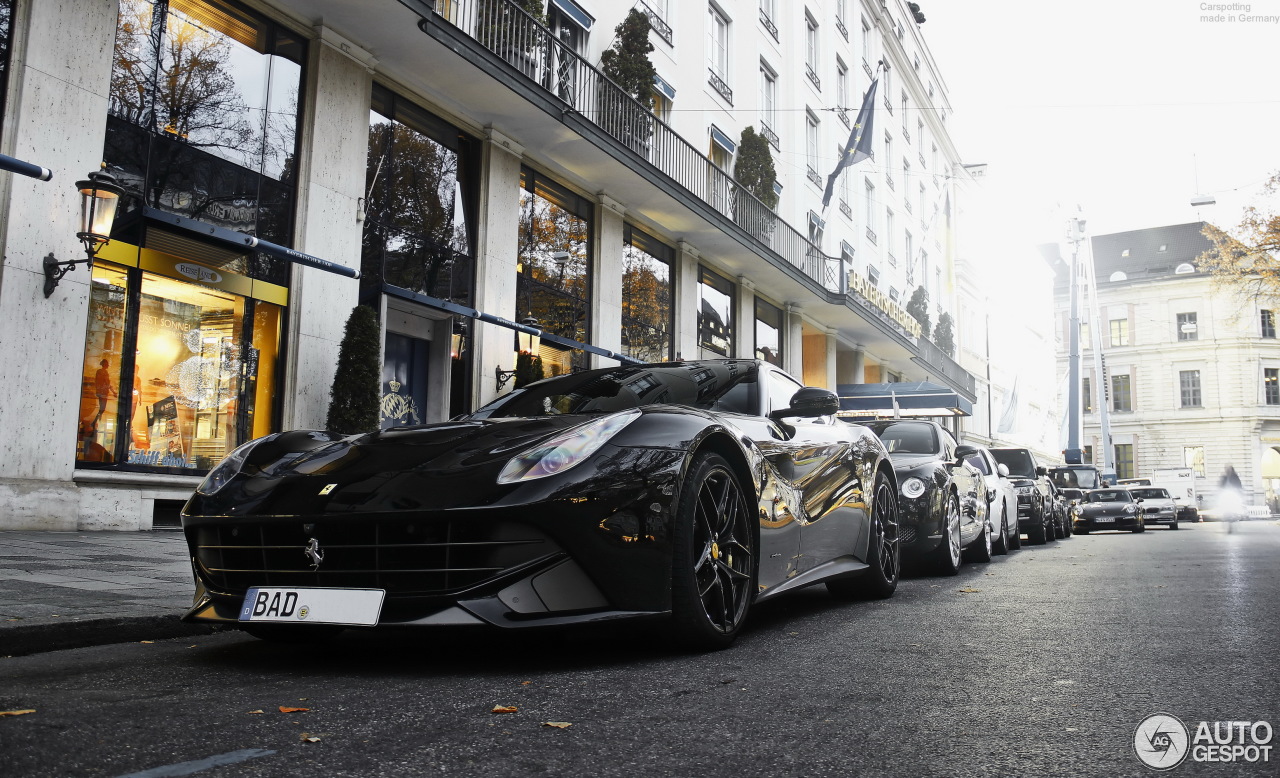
<point x="1041" y="471"/>
<point x="1003" y="469"/>
<point x="810" y="402"/>
<point x="963" y="452"/>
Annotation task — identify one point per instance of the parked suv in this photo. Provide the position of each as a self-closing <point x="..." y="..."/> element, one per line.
<point x="1035" y="501"/>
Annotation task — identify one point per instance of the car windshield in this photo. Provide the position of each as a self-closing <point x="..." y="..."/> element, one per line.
<point x="727" y="385"/>
<point x="1110" y="495"/>
<point x="1075" y="478"/>
<point x="907" y="437"/>
<point x="1150" y="494"/>
<point x="1018" y="460"/>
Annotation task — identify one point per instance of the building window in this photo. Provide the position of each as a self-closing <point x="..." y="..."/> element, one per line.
<point x="553" y="266"/>
<point x="768" y="332"/>
<point x="715" y="314"/>
<point x="421" y="180"/>
<point x="1187" y="326"/>
<point x="768" y="100"/>
<point x="1121" y="400"/>
<point x="869" y="211"/>
<point x="6" y="33"/>
<point x="718" y="43"/>
<point x="866" y="42"/>
<point x="1189" y="388"/>
<point x="1271" y="385"/>
<point x="811" y="147"/>
<point x="811" y="53"/>
<point x="1087" y="455"/>
<point x="1124" y="460"/>
<point x="1119" y="332"/>
<point x="1193" y="457"/>
<point x="1268" y="324"/>
<point x="203" y="114"/>
<point x="842" y="86"/>
<point x="1086" y="395"/>
<point x="647" y="292"/>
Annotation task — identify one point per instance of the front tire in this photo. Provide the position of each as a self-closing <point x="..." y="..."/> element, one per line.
<point x="980" y="551"/>
<point x="946" y="557"/>
<point x="1037" y="533"/>
<point x="1174" y="525"/>
<point x="884" y="558"/>
<point x="1001" y="546"/>
<point x="714" y="570"/>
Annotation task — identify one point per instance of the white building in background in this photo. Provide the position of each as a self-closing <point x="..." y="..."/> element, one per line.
<point x="462" y="158"/>
<point x="1191" y="369"/>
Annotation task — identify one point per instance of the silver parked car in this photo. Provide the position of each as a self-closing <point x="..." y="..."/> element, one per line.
<point x="1158" y="506"/>
<point x="1002" y="497"/>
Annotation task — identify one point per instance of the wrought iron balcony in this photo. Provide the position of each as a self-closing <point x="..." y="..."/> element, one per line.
<point x="893" y="260"/>
<point x="770" y="136"/>
<point x="658" y="24"/>
<point x="844" y="117"/>
<point x="871" y="236"/>
<point x="813" y="76"/>
<point x="846" y="210"/>
<point x="844" y="31"/>
<point x="718" y="84"/>
<point x="813" y="175"/>
<point x="906" y="134"/>
<point x="866" y="67"/>
<point x="768" y="24"/>
<point x="888" y="180"/>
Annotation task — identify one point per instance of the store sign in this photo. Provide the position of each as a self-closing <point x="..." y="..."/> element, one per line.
<point x="176" y="267"/>
<point x="198" y="273"/>
<point x="881" y="300"/>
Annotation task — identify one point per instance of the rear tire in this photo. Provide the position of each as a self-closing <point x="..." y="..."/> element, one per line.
<point x="980" y="550"/>
<point x="1142" y="527"/>
<point x="1015" y="536"/>
<point x="1174" y="525"/>
<point x="1037" y="534"/>
<point x="1001" y="546"/>
<point x="884" y="555"/>
<point x="715" y="566"/>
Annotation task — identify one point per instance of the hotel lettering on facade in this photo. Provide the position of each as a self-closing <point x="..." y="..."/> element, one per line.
<point x="461" y="157"/>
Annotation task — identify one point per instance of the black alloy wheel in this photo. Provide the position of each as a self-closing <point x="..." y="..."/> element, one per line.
<point x="884" y="554"/>
<point x="1002" y="545"/>
<point x="1051" y="529"/>
<point x="946" y="557"/>
<point x="715" y="566"/>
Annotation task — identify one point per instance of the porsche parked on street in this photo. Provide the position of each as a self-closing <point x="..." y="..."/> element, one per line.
<point x="1105" y="509"/>
<point x="1158" y="506"/>
<point x="942" y="499"/>
<point x="681" y="491"/>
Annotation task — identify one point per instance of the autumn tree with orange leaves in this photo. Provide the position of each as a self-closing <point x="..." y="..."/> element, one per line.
<point x="1248" y="258"/>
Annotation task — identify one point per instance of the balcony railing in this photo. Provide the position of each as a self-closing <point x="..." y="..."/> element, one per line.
<point x="844" y="31"/>
<point x="768" y="24"/>
<point x="813" y="175"/>
<point x="813" y="76"/>
<point x="844" y="117"/>
<point x="888" y="180"/>
<point x="717" y="83"/>
<point x="532" y="50"/>
<point x="871" y="236"/>
<point x="846" y="210"/>
<point x="658" y="24"/>
<point x="906" y="134"/>
<point x="770" y="136"/>
<point x="870" y="73"/>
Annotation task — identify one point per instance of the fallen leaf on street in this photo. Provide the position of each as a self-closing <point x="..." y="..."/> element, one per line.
<point x="525" y="683"/>
<point x="558" y="724"/>
<point x="303" y="699"/>
<point x="968" y="590"/>
<point x="283" y="709"/>
<point x="307" y="737"/>
<point x="257" y="712"/>
<point x="17" y="712"/>
<point x="504" y="709"/>
<point x="146" y="641"/>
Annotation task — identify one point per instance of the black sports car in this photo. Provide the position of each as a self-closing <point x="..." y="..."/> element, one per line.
<point x="943" y="499"/>
<point x="1110" y="509"/>
<point x="684" y="491"/>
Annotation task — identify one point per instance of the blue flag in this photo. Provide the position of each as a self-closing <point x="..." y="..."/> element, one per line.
<point x="859" y="146"/>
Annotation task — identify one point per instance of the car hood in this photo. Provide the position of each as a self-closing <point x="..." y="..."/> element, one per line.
<point x="431" y="467"/>
<point x="1104" y="507"/>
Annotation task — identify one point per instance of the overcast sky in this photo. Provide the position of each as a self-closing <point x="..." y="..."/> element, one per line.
<point x="1112" y="106"/>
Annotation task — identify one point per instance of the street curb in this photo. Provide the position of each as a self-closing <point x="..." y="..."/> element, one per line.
<point x="39" y="638"/>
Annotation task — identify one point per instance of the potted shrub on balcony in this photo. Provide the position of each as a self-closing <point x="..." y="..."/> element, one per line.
<point x="918" y="307"/>
<point x="944" y="335"/>
<point x="627" y="65"/>
<point x="755" y="172"/>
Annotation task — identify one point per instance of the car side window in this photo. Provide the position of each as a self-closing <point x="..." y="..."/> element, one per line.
<point x="978" y="462"/>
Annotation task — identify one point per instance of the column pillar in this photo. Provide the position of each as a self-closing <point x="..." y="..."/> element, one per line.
<point x="498" y="244"/>
<point x="606" y="279"/>
<point x="687" y="300"/>
<point x="745" y="316"/>
<point x="793" y="337"/>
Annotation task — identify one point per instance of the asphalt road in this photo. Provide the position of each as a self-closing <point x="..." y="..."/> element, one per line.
<point x="1040" y="663"/>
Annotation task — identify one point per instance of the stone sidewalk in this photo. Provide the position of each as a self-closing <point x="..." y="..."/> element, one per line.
<point x="71" y="589"/>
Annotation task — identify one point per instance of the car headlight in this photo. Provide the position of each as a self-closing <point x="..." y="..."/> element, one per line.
<point x="565" y="450"/>
<point x="1129" y="509"/>
<point x="1025" y="490"/>
<point x="230" y="467"/>
<point x="912" y="487"/>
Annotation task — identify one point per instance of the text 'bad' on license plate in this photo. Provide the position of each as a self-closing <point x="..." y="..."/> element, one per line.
<point x="311" y="605"/>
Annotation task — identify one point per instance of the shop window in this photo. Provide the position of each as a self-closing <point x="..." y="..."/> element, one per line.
<point x="553" y="270"/>
<point x="176" y="374"/>
<point x="203" y="115"/>
<point x="419" y="227"/>
<point x="647" y="291"/>
<point x="715" y="314"/>
<point x="768" y="332"/>
<point x="6" y="32"/>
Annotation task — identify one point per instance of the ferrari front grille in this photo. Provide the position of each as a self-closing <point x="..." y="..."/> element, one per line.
<point x="404" y="557"/>
<point x="906" y="535"/>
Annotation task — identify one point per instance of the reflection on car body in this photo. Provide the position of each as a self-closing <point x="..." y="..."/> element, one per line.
<point x="684" y="491"/>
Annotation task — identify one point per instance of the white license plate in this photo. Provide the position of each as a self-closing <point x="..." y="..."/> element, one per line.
<point x="313" y="605"/>
<point x="1103" y="520"/>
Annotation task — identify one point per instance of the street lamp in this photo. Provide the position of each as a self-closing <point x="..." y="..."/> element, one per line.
<point x="99" y="196"/>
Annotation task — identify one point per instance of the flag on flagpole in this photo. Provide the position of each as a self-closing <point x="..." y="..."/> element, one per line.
<point x="859" y="146"/>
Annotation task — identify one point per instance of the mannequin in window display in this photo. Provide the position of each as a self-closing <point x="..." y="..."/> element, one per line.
<point x="104" y="389"/>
